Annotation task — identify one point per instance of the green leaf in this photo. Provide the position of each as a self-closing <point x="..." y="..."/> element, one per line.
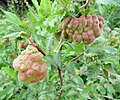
<point x="10" y="72"/>
<point x="17" y="34"/>
<point x="112" y="60"/>
<point x="101" y="89"/>
<point x="105" y="72"/>
<point x="35" y="3"/>
<point x="108" y="2"/>
<point x="12" y="35"/>
<point x="63" y="2"/>
<point x="79" y="81"/>
<point x="83" y="69"/>
<point x="94" y="70"/>
<point x="12" y="18"/>
<point x="103" y="80"/>
<point x="9" y="92"/>
<point x="2" y="48"/>
<point x="6" y="93"/>
<point x="79" y="47"/>
<point x="88" y="88"/>
<point x="94" y="52"/>
<point x="110" y="88"/>
<point x="71" y="93"/>
<point x="110" y="49"/>
<point x="45" y="7"/>
<point x="23" y="94"/>
<point x="58" y="59"/>
<point x="50" y="43"/>
<point x="52" y="76"/>
<point x="85" y="96"/>
<point x="50" y="59"/>
<point x="33" y="16"/>
<point x="70" y="67"/>
<point x="3" y="94"/>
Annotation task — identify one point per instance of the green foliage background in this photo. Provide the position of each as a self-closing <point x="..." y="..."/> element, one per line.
<point x="94" y="76"/>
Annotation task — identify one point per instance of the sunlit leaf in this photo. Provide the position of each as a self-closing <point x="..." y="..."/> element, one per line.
<point x="45" y="7"/>
<point x="10" y="72"/>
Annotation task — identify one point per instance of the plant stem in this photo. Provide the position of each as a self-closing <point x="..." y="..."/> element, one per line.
<point x="74" y="59"/>
<point x="61" y="81"/>
<point x="60" y="75"/>
<point x="33" y="43"/>
<point x="84" y="5"/>
<point x="60" y="42"/>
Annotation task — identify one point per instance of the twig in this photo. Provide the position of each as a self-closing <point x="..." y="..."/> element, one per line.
<point x="77" y="57"/>
<point x="74" y="59"/>
<point x="60" y="75"/>
<point x="61" y="81"/>
<point x="87" y="2"/>
<point x="33" y="43"/>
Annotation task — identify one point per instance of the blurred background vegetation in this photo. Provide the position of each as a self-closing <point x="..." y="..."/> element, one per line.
<point x="94" y="76"/>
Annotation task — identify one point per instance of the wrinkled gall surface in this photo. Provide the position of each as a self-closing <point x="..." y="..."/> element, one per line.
<point x="30" y="65"/>
<point x="84" y="29"/>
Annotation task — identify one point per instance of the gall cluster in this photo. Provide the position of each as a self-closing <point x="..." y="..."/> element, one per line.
<point x="30" y="65"/>
<point x="84" y="29"/>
